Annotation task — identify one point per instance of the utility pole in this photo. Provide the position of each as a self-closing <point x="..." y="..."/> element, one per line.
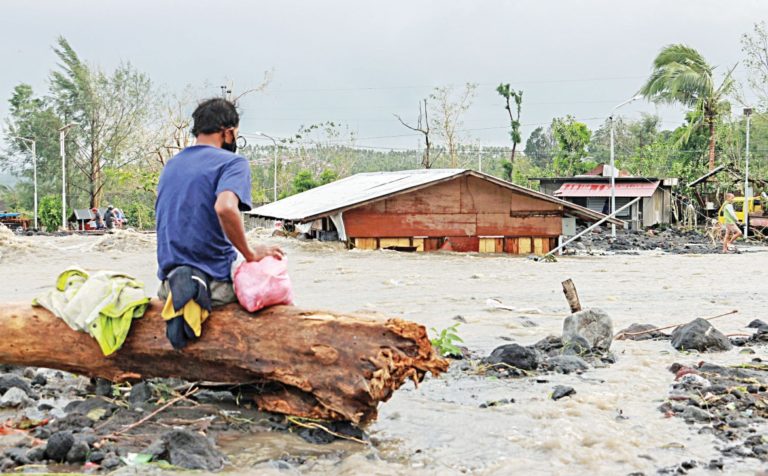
<point x="747" y="193"/>
<point x="62" y="135"/>
<point x="613" y="163"/>
<point x="480" y="159"/>
<point x="30" y="144"/>
<point x="274" y="143"/>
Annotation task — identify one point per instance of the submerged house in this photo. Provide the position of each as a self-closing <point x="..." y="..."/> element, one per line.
<point x="425" y="210"/>
<point x="593" y="190"/>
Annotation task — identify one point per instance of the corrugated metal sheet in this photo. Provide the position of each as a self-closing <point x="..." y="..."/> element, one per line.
<point x="350" y="191"/>
<point x="623" y="189"/>
<point x="359" y="189"/>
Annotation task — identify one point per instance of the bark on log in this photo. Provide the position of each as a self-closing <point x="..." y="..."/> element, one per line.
<point x="569" y="289"/>
<point x="311" y="364"/>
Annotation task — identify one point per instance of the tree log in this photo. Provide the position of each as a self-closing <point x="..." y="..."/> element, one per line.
<point x="569" y="289"/>
<point x="311" y="364"/>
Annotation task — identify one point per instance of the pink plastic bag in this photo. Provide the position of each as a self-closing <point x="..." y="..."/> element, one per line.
<point x="264" y="283"/>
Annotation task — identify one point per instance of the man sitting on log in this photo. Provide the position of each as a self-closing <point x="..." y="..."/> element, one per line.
<point x="201" y="192"/>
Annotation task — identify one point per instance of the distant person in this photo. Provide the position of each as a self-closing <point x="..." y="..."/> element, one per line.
<point x="119" y="218"/>
<point x="98" y="222"/>
<point x="109" y="217"/>
<point x="732" y="232"/>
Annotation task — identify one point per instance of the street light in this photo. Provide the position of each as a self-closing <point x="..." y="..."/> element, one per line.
<point x="747" y="194"/>
<point x="613" y="162"/>
<point x="62" y="135"/>
<point x="31" y="146"/>
<point x="274" y="142"/>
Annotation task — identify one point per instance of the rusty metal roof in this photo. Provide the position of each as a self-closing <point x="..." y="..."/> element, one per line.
<point x="357" y="190"/>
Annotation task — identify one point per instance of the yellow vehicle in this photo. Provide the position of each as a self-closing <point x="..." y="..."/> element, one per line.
<point x="755" y="206"/>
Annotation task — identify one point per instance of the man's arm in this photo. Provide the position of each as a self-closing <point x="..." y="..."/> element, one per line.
<point x="229" y="216"/>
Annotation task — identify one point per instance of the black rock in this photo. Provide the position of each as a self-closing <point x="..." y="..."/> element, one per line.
<point x="757" y="324"/>
<point x="321" y="437"/>
<point x="140" y="393"/>
<point x="37" y="453"/>
<point x="96" y="457"/>
<point x="59" y="445"/>
<point x="644" y="328"/>
<point x="84" y="407"/>
<point x="74" y="422"/>
<point x="577" y="345"/>
<point x="212" y="396"/>
<point x="699" y="335"/>
<point x="18" y="455"/>
<point x="101" y="387"/>
<point x="566" y="364"/>
<point x="192" y="451"/>
<point x="78" y="452"/>
<point x="562" y="391"/>
<point x="8" y="381"/>
<point x="549" y="345"/>
<point x="110" y="462"/>
<point x="514" y="355"/>
<point x="40" y="380"/>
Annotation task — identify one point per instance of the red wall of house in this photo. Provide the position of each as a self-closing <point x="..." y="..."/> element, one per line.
<point x="466" y="208"/>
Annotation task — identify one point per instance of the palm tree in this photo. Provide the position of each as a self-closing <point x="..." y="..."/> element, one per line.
<point x="681" y="75"/>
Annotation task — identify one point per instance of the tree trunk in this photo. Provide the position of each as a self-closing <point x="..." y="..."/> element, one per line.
<point x="307" y="363"/>
<point x="569" y="289"/>
<point x="711" y="144"/>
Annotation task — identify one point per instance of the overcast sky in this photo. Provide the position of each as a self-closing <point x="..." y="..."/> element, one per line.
<point x="358" y="62"/>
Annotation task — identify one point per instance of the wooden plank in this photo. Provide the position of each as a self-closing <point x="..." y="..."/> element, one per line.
<point x="387" y="242"/>
<point x="487" y="245"/>
<point x="371" y="225"/>
<point x="538" y="246"/>
<point x="512" y="246"/>
<point x="499" y="245"/>
<point x="524" y="246"/>
<point x="501" y="224"/>
<point x="365" y="243"/>
<point x="419" y="244"/>
<point x="465" y="243"/>
<point x="432" y="244"/>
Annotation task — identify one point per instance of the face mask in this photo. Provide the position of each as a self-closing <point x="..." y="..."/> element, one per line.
<point x="232" y="146"/>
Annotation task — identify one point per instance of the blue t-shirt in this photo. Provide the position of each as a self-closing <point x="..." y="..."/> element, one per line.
<point x="188" y="229"/>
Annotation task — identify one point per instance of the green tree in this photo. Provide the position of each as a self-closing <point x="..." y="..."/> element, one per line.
<point x="540" y="146"/>
<point x="303" y="181"/>
<point x="572" y="138"/>
<point x="755" y="48"/>
<point x="328" y="176"/>
<point x="109" y="109"/>
<point x="681" y="75"/>
<point x="509" y="95"/>
<point x="50" y="212"/>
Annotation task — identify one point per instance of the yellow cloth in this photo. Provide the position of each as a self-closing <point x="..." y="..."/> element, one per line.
<point x="194" y="315"/>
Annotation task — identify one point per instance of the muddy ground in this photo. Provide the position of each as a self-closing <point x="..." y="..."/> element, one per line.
<point x="470" y="420"/>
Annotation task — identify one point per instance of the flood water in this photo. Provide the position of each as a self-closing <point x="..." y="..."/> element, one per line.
<point x="610" y="426"/>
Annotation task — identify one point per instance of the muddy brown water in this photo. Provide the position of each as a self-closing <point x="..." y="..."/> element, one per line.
<point x="440" y="428"/>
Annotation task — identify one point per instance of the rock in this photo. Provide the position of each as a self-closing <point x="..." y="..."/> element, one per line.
<point x="514" y="355"/>
<point x="94" y="408"/>
<point x="110" y="462"/>
<point x="140" y="394"/>
<point x="644" y="328"/>
<point x="692" y="413"/>
<point x="699" y="335"/>
<point x="592" y="324"/>
<point x="78" y="452"/>
<point x="37" y="453"/>
<point x="96" y="457"/>
<point x="758" y="324"/>
<point x="562" y="391"/>
<point x="576" y="346"/>
<point x="550" y="345"/>
<point x="40" y="380"/>
<point x="59" y="445"/>
<point x="18" y="455"/>
<point x="191" y="451"/>
<point x="8" y="381"/>
<point x="15" y="398"/>
<point x="212" y="396"/>
<point x="566" y="364"/>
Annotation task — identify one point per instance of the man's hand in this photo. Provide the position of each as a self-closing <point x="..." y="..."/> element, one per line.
<point x="260" y="252"/>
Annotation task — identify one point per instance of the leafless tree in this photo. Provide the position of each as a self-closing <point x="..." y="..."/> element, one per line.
<point x="448" y="106"/>
<point x="422" y="126"/>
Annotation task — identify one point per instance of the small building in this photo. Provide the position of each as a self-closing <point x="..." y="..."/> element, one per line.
<point x="426" y="210"/>
<point x="593" y="191"/>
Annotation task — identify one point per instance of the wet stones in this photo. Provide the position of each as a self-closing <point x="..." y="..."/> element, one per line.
<point x="140" y="394"/>
<point x="641" y="332"/>
<point x="700" y="335"/>
<point x="59" y="445"/>
<point x="593" y="325"/>
<point x="562" y="391"/>
<point x="514" y="355"/>
<point x="189" y="450"/>
<point x="15" y="398"/>
<point x="566" y="364"/>
<point x="9" y="381"/>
